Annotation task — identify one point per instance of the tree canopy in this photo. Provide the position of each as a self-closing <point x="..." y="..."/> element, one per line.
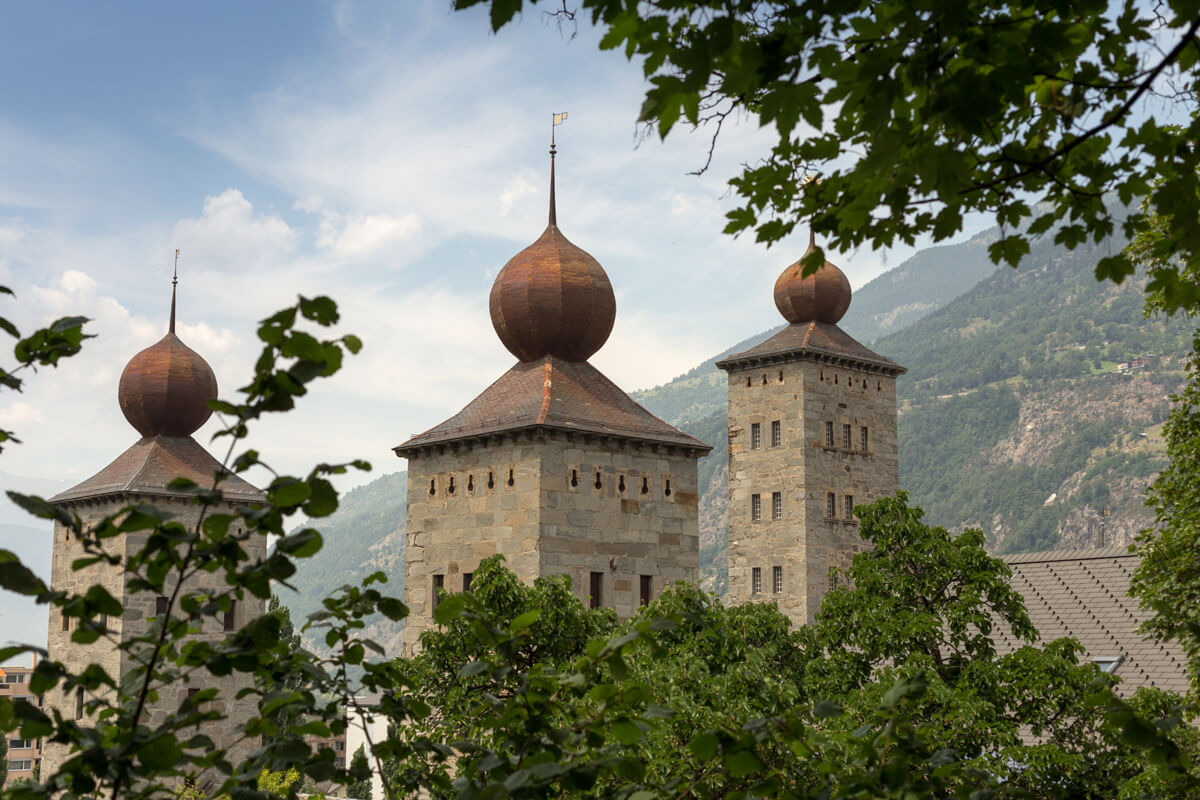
<point x="912" y="115"/>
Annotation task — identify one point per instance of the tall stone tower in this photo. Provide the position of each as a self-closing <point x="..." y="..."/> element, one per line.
<point x="553" y="466"/>
<point x="812" y="433"/>
<point x="164" y="393"/>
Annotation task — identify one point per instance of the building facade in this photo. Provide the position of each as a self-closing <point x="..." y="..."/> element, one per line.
<point x="812" y="433"/>
<point x="24" y="755"/>
<point x="553" y="466"/>
<point x="164" y="393"/>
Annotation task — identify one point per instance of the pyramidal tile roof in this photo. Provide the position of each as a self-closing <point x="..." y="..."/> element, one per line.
<point x="815" y="338"/>
<point x="153" y="462"/>
<point x="1085" y="594"/>
<point x="554" y="393"/>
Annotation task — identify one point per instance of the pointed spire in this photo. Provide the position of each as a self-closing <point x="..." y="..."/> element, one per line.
<point x="812" y="239"/>
<point x="553" y="210"/>
<point x="556" y="119"/>
<point x="174" y="283"/>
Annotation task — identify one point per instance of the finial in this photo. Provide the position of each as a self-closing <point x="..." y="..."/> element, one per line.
<point x="174" y="283"/>
<point x="557" y="119"/>
<point x="812" y="239"/>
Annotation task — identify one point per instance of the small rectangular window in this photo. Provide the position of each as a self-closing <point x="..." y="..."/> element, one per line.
<point x="776" y="433"/>
<point x="79" y="703"/>
<point x="160" y="605"/>
<point x="20" y="764"/>
<point x="439" y="583"/>
<point x="832" y="580"/>
<point x="864" y="440"/>
<point x="849" y="510"/>
<point x="596" y="590"/>
<point x="756" y="580"/>
<point x="777" y="579"/>
<point x="102" y="622"/>
<point x="229" y="615"/>
<point x="467" y="578"/>
<point x="755" y="507"/>
<point x="646" y="588"/>
<point x="755" y="435"/>
<point x="66" y="622"/>
<point x="777" y="505"/>
<point x="829" y="434"/>
<point x="846" y="436"/>
<point x="831" y="506"/>
<point x="19" y="678"/>
<point x="20" y="744"/>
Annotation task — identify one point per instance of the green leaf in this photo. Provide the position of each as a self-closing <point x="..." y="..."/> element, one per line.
<point x="704" y="745"/>
<point x="524" y="621"/>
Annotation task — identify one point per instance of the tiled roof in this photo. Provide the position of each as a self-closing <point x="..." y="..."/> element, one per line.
<point x="150" y="464"/>
<point x="553" y="393"/>
<point x="818" y="338"/>
<point x="1085" y="594"/>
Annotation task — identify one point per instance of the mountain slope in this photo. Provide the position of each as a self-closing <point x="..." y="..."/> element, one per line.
<point x="365" y="535"/>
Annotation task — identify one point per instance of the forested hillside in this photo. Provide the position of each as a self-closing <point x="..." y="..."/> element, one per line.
<point x="1016" y="414"/>
<point x="364" y="535"/>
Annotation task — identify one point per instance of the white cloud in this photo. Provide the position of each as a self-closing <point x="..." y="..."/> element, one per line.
<point x="518" y="188"/>
<point x="230" y="236"/>
<point x="365" y="235"/>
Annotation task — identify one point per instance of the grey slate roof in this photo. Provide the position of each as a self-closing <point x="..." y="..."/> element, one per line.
<point x="554" y="393"/>
<point x="814" y="338"/>
<point x="1085" y="594"/>
<point x="150" y="464"/>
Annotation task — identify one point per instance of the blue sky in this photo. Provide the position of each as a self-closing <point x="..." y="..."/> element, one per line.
<point x="392" y="155"/>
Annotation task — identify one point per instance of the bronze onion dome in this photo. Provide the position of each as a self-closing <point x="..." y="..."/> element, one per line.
<point x="165" y="389"/>
<point x="552" y="298"/>
<point x="823" y="296"/>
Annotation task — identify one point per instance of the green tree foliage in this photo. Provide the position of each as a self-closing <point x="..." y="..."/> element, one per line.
<point x="284" y="718"/>
<point x="1168" y="579"/>
<point x="913" y="115"/>
<point x="360" y="789"/>
<point x="3" y="760"/>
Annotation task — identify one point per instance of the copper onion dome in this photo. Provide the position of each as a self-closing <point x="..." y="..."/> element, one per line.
<point x="552" y="298"/>
<point x="823" y="296"/>
<point x="165" y="389"/>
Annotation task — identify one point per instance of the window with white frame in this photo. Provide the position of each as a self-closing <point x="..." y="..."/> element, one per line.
<point x="777" y="505"/>
<point x="755" y="435"/>
<point x="846" y="436"/>
<point x="777" y="580"/>
<point x="756" y="580"/>
<point x="828" y="434"/>
<point x="831" y="505"/>
<point x="776" y="433"/>
<point x="849" y="510"/>
<point x="755" y="507"/>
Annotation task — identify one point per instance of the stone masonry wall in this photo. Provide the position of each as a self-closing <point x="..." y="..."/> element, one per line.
<point x="797" y="537"/>
<point x="551" y="519"/>
<point x="622" y="510"/>
<point x="139" y="613"/>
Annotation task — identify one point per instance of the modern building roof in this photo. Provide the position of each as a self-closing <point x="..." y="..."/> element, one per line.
<point x="1084" y="594"/>
<point x="553" y="393"/>
<point x="153" y="462"/>
<point x="815" y="339"/>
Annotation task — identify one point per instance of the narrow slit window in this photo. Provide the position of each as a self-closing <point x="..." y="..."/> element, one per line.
<point x="781" y="376"/>
<point x="439" y="583"/>
<point x="776" y="433"/>
<point x="596" y="590"/>
<point x="755" y="507"/>
<point x="647" y="586"/>
<point x="432" y="486"/>
<point x="450" y="486"/>
<point x="574" y="478"/>
<point x="511" y="479"/>
<point x="755" y="435"/>
<point x="846" y="436"/>
<point x="470" y="483"/>
<point x="645" y="486"/>
<point x="777" y="580"/>
<point x="749" y="381"/>
<point x="831" y="506"/>
<point x="621" y="483"/>
<point x="764" y="379"/>
<point x="66" y="621"/>
<point x="829" y="434"/>
<point x="491" y="481"/>
<point x="79" y="703"/>
<point x="777" y="505"/>
<point x="599" y="485"/>
<point x="667" y="491"/>
<point x="756" y="580"/>
<point x="230" y="615"/>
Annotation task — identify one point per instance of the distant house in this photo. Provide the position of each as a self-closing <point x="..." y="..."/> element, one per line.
<point x="1084" y="594"/>
<point x="23" y="754"/>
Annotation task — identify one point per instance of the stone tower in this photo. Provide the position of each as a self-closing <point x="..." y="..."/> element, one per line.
<point x="812" y="433"/>
<point x="164" y="393"/>
<point x="553" y="466"/>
